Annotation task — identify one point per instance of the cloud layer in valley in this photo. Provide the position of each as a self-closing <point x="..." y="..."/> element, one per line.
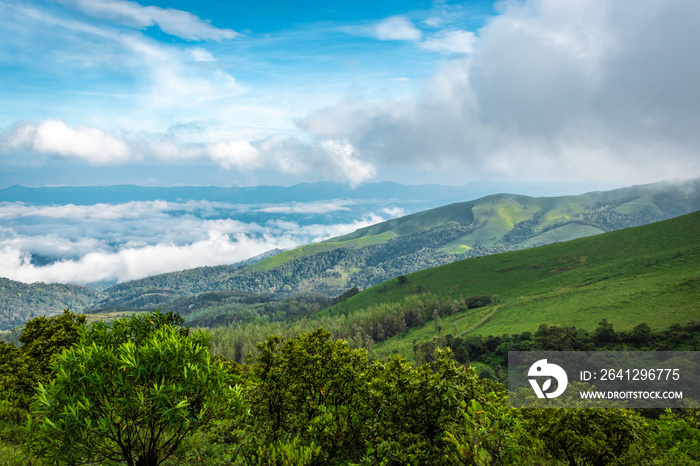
<point x="119" y="242"/>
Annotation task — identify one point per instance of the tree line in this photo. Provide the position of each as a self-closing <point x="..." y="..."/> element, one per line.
<point x="493" y="350"/>
<point x="362" y="329"/>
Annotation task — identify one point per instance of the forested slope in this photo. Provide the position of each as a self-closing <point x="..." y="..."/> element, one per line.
<point x="20" y="302"/>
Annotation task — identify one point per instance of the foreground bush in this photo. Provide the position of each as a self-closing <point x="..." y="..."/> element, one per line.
<point x="129" y="392"/>
<point x="314" y="400"/>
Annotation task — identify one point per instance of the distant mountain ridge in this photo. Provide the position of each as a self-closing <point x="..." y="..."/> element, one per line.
<point x="303" y="192"/>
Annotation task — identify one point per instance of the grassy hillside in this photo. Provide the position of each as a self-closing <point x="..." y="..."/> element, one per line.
<point x="645" y="274"/>
<point x="508" y="220"/>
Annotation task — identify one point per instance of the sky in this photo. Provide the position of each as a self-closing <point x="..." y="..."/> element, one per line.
<point x="274" y="92"/>
<point x="231" y="93"/>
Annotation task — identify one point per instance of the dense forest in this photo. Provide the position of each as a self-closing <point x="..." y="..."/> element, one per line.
<point x="147" y="390"/>
<point x="361" y="329"/>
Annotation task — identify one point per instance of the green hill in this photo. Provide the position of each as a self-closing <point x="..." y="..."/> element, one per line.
<point x="510" y="220"/>
<point x="645" y="274"/>
<point x="368" y="256"/>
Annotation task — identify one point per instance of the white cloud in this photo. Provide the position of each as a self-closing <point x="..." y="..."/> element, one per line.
<point x="394" y="212"/>
<point x="240" y="154"/>
<point x="397" y="28"/>
<point x="55" y="137"/>
<point x="138" y="262"/>
<point x="129" y="263"/>
<point x="171" y="21"/>
<point x="50" y="244"/>
<point x="320" y="232"/>
<point x="352" y="117"/>
<point x="433" y="22"/>
<point x="306" y="207"/>
<point x="330" y="158"/>
<point x="343" y="155"/>
<point x="100" y="211"/>
<point x="547" y="89"/>
<point x="450" y="41"/>
<point x="202" y="55"/>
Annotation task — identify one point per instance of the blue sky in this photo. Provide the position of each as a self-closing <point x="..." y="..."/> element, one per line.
<point x="100" y="92"/>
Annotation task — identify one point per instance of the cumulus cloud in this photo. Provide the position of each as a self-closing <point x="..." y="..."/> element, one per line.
<point x="177" y="23"/>
<point x="342" y="157"/>
<point x="333" y="159"/>
<point x="239" y="154"/>
<point x="56" y="137"/>
<point x="593" y="90"/>
<point x="397" y="28"/>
